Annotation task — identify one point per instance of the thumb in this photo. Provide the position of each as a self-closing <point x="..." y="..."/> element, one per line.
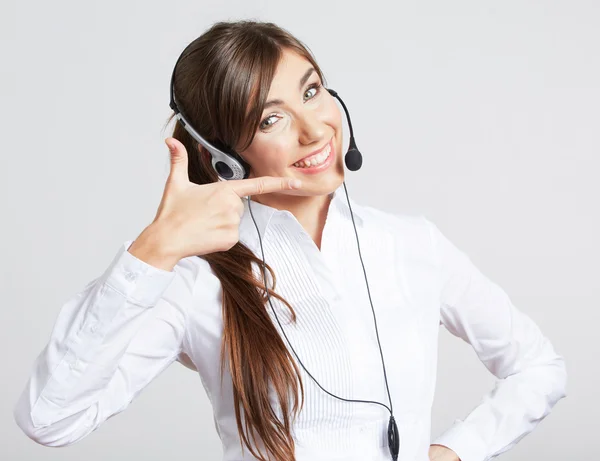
<point x="179" y="160"/>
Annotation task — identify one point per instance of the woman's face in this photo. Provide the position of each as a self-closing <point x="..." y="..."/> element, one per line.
<point x="304" y="119"/>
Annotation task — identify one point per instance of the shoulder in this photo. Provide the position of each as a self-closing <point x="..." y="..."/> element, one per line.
<point x="402" y="225"/>
<point x="410" y="234"/>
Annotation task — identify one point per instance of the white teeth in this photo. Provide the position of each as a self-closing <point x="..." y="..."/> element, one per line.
<point x="314" y="161"/>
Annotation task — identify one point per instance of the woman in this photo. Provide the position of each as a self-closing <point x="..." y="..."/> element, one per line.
<point x="191" y="287"/>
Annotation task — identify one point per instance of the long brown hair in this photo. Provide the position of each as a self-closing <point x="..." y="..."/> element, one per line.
<point x="221" y="84"/>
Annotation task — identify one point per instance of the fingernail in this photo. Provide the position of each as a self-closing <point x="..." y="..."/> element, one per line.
<point x="295" y="183"/>
<point x="170" y="146"/>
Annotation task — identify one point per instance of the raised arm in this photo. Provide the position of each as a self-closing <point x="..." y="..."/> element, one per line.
<point x="532" y="376"/>
<point x="125" y="327"/>
<point x="109" y="342"/>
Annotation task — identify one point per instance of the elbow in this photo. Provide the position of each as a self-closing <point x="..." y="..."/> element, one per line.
<point x="546" y="378"/>
<point x="561" y="374"/>
<point x="23" y="419"/>
<point x="552" y="379"/>
<point x="40" y="434"/>
<point x="555" y="387"/>
<point x="57" y="434"/>
<point x="550" y="373"/>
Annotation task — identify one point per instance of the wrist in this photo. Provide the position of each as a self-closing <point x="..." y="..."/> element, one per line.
<point x="152" y="248"/>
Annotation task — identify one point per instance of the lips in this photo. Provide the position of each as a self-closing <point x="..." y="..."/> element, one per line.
<point x="315" y="152"/>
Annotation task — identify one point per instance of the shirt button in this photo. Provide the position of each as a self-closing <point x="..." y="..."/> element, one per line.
<point x="130" y="276"/>
<point x="74" y="364"/>
<point x="93" y="327"/>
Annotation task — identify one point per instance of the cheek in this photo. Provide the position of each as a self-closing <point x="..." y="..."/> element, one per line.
<point x="334" y="112"/>
<point x="277" y="158"/>
<point x="335" y="120"/>
<point x="271" y="156"/>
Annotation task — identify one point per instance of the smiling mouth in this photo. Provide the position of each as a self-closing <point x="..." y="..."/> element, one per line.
<point x="316" y="159"/>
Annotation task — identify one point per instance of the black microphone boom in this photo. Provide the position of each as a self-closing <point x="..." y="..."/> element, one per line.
<point x="353" y="157"/>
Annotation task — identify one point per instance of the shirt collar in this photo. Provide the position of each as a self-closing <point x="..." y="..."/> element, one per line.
<point x="264" y="213"/>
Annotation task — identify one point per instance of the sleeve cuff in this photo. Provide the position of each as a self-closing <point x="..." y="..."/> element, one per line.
<point x="135" y="279"/>
<point x="463" y="441"/>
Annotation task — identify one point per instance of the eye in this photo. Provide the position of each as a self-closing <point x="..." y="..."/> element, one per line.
<point x="313" y="86"/>
<point x="263" y="124"/>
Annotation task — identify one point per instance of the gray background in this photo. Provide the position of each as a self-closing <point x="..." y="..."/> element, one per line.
<point x="483" y="116"/>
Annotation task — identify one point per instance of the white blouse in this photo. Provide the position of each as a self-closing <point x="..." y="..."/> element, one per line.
<point x="125" y="327"/>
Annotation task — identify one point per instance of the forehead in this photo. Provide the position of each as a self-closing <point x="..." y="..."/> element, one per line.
<point x="289" y="70"/>
<point x="288" y="74"/>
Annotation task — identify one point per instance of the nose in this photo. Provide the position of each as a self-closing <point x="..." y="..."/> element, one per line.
<point x="311" y="128"/>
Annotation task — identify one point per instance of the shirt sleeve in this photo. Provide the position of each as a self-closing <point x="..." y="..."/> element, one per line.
<point x="532" y="376"/>
<point x="109" y="342"/>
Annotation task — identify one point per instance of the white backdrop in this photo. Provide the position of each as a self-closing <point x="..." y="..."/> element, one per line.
<point x="484" y="116"/>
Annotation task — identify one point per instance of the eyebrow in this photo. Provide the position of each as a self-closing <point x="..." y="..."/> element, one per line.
<point x="274" y="102"/>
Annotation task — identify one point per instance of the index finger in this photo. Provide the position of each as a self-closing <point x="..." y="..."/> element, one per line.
<point x="263" y="185"/>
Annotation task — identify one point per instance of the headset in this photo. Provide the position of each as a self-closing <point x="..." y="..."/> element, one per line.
<point x="229" y="165"/>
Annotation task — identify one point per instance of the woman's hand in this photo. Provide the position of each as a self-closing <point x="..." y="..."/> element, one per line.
<point x="442" y="453"/>
<point x="197" y="219"/>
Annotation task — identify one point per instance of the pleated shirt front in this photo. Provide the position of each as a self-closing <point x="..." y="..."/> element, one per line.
<point x="126" y="326"/>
